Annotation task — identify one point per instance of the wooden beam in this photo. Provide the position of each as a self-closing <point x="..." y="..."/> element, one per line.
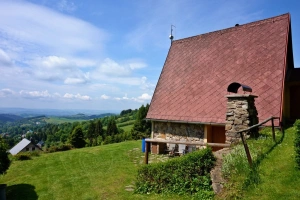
<point x="273" y="131"/>
<point x="246" y="149"/>
<point x="188" y="143"/>
<point x="146" y="152"/>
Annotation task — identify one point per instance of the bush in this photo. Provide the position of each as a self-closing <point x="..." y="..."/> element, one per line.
<point x="22" y="156"/>
<point x="184" y="175"/>
<point x="61" y="147"/>
<point x="4" y="160"/>
<point x="297" y="143"/>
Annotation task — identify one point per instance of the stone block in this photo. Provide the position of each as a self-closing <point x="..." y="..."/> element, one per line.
<point x="228" y="127"/>
<point x="245" y="106"/>
<point x="238" y="121"/>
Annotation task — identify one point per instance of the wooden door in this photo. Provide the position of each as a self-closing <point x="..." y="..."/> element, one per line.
<point x="218" y="136"/>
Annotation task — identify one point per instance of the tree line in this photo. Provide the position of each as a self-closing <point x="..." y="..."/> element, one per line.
<point x="81" y="134"/>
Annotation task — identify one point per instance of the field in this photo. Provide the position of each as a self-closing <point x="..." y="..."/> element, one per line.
<point x="59" y="120"/>
<point x="102" y="172"/>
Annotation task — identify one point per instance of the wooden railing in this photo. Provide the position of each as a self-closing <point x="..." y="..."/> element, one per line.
<point x="252" y="127"/>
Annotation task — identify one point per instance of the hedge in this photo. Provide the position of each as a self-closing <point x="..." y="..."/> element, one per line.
<point x="297" y="143"/>
<point x="189" y="174"/>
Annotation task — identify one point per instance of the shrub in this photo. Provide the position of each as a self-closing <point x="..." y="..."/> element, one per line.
<point x="297" y="143"/>
<point x="22" y="156"/>
<point x="60" y="147"/>
<point x="4" y="160"/>
<point x="187" y="174"/>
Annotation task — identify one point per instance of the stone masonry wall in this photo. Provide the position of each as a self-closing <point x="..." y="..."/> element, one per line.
<point x="178" y="131"/>
<point x="241" y="114"/>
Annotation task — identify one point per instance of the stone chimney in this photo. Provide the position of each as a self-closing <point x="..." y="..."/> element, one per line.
<point x="241" y="114"/>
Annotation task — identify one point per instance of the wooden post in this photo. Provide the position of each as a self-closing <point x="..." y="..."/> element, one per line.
<point x="146" y="152"/>
<point x="273" y="130"/>
<point x="246" y="149"/>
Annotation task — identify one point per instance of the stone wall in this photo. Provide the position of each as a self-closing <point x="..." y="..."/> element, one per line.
<point x="241" y="114"/>
<point x="178" y="131"/>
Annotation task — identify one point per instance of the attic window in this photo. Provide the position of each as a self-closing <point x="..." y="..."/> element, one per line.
<point x="233" y="87"/>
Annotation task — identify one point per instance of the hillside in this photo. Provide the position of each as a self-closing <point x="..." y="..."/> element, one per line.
<point x="9" y="117"/>
<point x="105" y="172"/>
<point x="102" y="172"/>
<point x="275" y="176"/>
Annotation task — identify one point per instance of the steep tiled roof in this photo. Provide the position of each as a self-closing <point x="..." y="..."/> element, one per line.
<point x="193" y="83"/>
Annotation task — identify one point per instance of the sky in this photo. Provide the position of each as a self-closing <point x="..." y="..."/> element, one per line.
<point x="107" y="55"/>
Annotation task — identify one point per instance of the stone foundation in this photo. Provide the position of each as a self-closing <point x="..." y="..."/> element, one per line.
<point x="241" y="114"/>
<point x="178" y="131"/>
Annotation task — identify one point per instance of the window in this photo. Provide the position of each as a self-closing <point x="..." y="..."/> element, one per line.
<point x="33" y="148"/>
<point x="27" y="149"/>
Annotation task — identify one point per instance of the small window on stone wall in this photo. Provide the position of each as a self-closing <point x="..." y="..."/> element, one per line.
<point x="27" y="149"/>
<point x="33" y="148"/>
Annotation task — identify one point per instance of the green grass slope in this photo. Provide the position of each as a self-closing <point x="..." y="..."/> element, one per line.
<point x="101" y="172"/>
<point x="279" y="177"/>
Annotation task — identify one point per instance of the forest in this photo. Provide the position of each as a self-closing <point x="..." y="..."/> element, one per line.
<point x="128" y="125"/>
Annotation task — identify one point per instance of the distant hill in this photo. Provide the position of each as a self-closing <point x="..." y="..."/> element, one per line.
<point x="87" y="117"/>
<point x="27" y="112"/>
<point x="9" y="117"/>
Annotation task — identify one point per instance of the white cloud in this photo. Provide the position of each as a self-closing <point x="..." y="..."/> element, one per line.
<point x="76" y="80"/>
<point x="6" y="92"/>
<point x="31" y="28"/>
<point x="5" y="60"/>
<point x="145" y="97"/>
<point x="55" y="68"/>
<point x="110" y="67"/>
<point x="35" y="94"/>
<point x="105" y="96"/>
<point x="65" y="5"/>
<point x="77" y="96"/>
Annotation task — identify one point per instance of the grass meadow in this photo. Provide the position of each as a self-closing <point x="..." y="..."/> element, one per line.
<point x="273" y="176"/>
<point x="60" y="120"/>
<point x="102" y="172"/>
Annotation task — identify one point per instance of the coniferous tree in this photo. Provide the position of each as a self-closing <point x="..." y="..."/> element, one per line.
<point x="141" y="127"/>
<point x="112" y="128"/>
<point x="91" y="133"/>
<point x="77" y="138"/>
<point x="99" y="130"/>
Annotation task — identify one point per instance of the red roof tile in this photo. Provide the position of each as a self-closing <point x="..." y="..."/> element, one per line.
<point x="194" y="80"/>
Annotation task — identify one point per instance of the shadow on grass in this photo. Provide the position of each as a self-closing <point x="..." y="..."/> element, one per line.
<point x="21" y="192"/>
<point x="253" y="177"/>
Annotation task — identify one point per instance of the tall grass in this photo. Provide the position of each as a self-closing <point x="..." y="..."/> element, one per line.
<point x="236" y="169"/>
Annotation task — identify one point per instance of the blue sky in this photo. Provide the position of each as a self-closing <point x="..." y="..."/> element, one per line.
<point x="107" y="55"/>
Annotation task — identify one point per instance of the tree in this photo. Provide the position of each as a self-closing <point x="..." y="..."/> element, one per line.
<point x="4" y="160"/>
<point x="141" y="128"/>
<point x="112" y="128"/>
<point x="77" y="138"/>
<point x="99" y="130"/>
<point x="91" y="132"/>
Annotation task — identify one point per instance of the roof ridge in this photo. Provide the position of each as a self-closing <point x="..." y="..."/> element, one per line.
<point x="235" y="28"/>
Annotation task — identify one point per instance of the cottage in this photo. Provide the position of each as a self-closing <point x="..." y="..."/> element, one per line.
<point x="189" y="102"/>
<point x="24" y="146"/>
